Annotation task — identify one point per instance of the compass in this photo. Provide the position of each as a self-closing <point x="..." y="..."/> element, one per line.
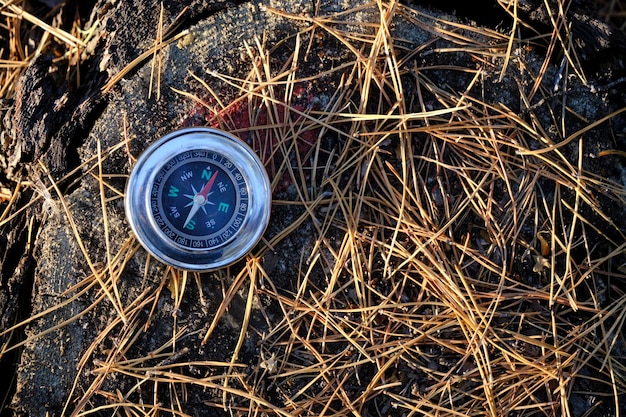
<point x="198" y="199"/>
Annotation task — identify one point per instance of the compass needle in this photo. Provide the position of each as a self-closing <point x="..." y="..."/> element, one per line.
<point x="193" y="210"/>
<point x="205" y="190"/>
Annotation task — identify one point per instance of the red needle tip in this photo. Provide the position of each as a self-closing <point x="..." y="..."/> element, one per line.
<point x="207" y="187"/>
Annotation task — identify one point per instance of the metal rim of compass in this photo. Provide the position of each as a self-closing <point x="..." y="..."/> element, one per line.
<point x="138" y="189"/>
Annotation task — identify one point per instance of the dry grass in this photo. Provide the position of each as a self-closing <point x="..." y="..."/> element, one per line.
<point x="613" y="11"/>
<point x="25" y="36"/>
<point x="462" y="263"/>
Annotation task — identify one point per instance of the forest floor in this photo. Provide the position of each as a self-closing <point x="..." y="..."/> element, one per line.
<point x="448" y="229"/>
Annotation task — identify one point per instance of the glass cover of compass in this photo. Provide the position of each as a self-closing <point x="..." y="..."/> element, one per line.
<point x="198" y="199"/>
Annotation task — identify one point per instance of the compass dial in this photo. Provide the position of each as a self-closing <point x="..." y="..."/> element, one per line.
<point x="198" y="199"/>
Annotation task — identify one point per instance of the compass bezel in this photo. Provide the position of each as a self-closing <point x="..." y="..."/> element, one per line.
<point x="140" y="186"/>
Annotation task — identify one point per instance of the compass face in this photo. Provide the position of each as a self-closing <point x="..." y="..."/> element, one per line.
<point x="198" y="199"/>
<point x="189" y="218"/>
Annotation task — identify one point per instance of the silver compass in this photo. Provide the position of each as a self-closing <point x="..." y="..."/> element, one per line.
<point x="198" y="199"/>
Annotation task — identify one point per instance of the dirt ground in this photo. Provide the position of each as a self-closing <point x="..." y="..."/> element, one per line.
<point x="448" y="221"/>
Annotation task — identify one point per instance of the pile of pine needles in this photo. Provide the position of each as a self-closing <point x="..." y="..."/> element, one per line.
<point x="461" y="264"/>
